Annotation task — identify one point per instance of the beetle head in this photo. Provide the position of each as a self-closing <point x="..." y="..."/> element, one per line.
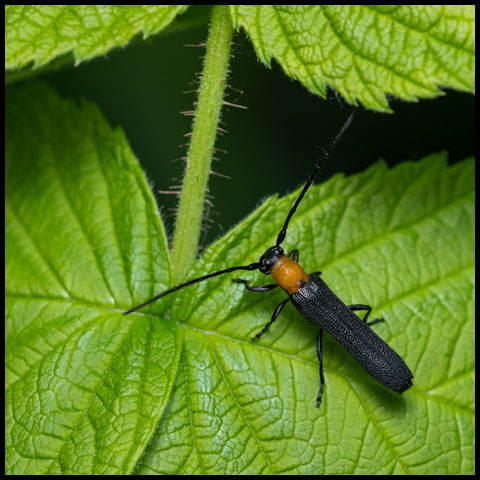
<point x="269" y="258"/>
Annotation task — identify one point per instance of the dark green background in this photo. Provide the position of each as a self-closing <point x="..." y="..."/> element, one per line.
<point x="273" y="145"/>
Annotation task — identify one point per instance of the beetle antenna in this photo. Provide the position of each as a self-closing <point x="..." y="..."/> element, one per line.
<point x="311" y="178"/>
<point x="252" y="266"/>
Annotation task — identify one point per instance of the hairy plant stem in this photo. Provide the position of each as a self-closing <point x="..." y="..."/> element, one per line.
<point x="197" y="170"/>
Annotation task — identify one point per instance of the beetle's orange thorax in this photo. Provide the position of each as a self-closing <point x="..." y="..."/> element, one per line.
<point x="288" y="274"/>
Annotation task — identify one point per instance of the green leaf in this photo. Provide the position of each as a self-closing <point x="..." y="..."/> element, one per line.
<point x="367" y="52"/>
<point x="41" y="33"/>
<point x="85" y="385"/>
<point x="87" y="388"/>
<point x="401" y="240"/>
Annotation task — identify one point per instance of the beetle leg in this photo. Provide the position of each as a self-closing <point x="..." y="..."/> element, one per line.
<point x="369" y="309"/>
<point x="320" y="359"/>
<point x="255" y="288"/>
<point x="295" y="255"/>
<point x="276" y="313"/>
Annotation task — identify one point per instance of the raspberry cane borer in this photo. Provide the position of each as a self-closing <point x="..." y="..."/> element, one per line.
<point x="318" y="304"/>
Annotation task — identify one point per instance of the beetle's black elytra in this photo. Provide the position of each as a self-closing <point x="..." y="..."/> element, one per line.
<point x="311" y="296"/>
